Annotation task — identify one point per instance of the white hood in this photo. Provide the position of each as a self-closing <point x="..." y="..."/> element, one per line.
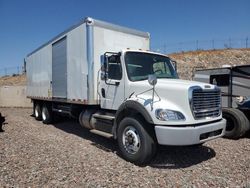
<point x="173" y="94"/>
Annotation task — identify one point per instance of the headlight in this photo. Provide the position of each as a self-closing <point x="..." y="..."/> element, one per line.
<point x="169" y="115"/>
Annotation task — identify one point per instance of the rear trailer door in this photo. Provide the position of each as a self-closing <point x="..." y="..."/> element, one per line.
<point x="59" y="69"/>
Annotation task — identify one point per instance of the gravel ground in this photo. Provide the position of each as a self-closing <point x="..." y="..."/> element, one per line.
<point x="65" y="155"/>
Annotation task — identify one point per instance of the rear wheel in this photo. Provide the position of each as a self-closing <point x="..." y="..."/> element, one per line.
<point x="135" y="143"/>
<point x="237" y="123"/>
<point x="38" y="112"/>
<point x="46" y="114"/>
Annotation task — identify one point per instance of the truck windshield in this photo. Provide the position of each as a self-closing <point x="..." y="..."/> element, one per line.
<point x="139" y="65"/>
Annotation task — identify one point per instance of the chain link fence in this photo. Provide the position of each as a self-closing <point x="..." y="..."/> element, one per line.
<point x="11" y="71"/>
<point x="194" y="45"/>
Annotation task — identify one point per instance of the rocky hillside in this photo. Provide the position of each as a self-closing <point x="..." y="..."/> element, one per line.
<point x="17" y="80"/>
<point x="187" y="61"/>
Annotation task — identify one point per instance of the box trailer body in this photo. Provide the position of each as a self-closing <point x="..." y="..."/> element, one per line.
<point x="106" y="76"/>
<point x="66" y="68"/>
<point x="234" y="82"/>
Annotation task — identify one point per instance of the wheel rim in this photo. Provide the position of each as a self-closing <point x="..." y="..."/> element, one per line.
<point x="131" y="140"/>
<point x="36" y="113"/>
<point x="43" y="115"/>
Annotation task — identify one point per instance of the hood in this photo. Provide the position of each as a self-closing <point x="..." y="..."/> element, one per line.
<point x="170" y="94"/>
<point x="165" y="86"/>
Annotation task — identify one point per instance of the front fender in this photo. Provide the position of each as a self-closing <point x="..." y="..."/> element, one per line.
<point x="130" y="107"/>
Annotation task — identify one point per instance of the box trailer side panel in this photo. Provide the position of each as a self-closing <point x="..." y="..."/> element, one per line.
<point x="77" y="66"/>
<point x="59" y="69"/>
<point x="241" y="82"/>
<point x="39" y="73"/>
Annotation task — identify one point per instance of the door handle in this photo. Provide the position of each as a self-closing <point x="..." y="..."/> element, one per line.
<point x="103" y="92"/>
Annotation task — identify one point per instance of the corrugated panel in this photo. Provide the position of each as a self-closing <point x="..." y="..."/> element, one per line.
<point x="59" y="69"/>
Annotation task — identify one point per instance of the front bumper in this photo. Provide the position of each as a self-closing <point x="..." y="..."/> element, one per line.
<point x="181" y="136"/>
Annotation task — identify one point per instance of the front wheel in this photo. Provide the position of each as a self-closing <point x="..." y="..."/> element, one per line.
<point x="135" y="143"/>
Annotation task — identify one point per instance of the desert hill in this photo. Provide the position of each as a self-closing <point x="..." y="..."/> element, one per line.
<point x="187" y="61"/>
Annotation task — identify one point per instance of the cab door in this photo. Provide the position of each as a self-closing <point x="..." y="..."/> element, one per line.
<point x="111" y="88"/>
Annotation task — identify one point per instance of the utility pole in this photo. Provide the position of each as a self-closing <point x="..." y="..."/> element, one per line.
<point x="197" y="44"/>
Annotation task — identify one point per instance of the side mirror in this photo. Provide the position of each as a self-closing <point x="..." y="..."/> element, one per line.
<point x="152" y="79"/>
<point x="174" y="64"/>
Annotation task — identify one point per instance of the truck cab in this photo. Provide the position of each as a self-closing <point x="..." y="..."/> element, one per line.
<point x="151" y="105"/>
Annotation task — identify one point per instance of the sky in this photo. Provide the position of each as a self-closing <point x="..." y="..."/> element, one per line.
<point x="27" y="24"/>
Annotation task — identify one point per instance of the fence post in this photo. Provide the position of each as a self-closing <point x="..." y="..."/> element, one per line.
<point x="165" y="48"/>
<point x="213" y="44"/>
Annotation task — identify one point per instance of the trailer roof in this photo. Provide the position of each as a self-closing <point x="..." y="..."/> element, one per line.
<point x="99" y="23"/>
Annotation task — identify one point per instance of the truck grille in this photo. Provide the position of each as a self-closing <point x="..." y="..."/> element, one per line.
<point x="206" y="103"/>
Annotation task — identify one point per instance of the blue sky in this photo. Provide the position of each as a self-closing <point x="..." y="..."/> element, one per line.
<point x="26" y="24"/>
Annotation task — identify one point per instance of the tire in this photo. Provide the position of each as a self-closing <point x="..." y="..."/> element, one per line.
<point x="135" y="143"/>
<point x="38" y="112"/>
<point x="237" y="123"/>
<point x="47" y="114"/>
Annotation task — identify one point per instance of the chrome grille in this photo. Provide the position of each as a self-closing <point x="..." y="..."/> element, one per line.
<point x="206" y="103"/>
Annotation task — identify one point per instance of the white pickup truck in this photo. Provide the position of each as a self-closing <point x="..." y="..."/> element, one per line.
<point x="106" y="76"/>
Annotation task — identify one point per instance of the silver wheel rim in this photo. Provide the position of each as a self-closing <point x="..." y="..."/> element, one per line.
<point x="36" y="113"/>
<point x="43" y="115"/>
<point x="131" y="140"/>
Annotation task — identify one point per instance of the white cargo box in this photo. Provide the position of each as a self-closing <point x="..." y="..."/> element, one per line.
<point x="66" y="68"/>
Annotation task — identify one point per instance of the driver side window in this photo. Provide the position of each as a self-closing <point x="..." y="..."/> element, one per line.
<point x="114" y="68"/>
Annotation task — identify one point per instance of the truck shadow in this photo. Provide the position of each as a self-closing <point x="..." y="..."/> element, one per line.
<point x="176" y="157"/>
<point x="73" y="127"/>
<point x="166" y="158"/>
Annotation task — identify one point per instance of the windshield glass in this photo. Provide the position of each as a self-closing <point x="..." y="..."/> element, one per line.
<point x="140" y="65"/>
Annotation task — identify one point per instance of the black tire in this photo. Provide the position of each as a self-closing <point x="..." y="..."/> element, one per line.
<point x="47" y="115"/>
<point x="237" y="123"/>
<point x="38" y="112"/>
<point x="135" y="143"/>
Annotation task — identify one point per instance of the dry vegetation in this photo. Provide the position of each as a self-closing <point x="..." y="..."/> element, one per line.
<point x="18" y="80"/>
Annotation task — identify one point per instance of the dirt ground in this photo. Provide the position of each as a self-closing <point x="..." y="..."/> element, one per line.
<point x="64" y="154"/>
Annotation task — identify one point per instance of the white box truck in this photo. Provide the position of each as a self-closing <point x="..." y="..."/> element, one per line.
<point x="106" y="76"/>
